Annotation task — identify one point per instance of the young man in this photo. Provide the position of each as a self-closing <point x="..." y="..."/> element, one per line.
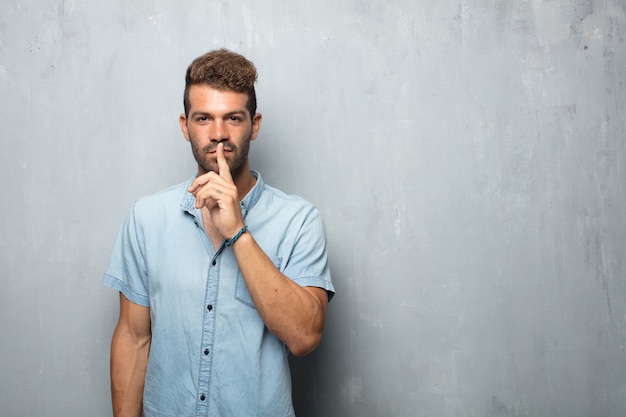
<point x="219" y="277"/>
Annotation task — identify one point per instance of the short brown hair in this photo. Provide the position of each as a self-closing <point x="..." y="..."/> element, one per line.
<point x="224" y="70"/>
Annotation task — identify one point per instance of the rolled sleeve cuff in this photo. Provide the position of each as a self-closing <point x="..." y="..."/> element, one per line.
<point x="317" y="282"/>
<point x="128" y="292"/>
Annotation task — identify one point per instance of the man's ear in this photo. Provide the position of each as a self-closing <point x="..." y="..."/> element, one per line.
<point x="256" y="125"/>
<point x="183" y="126"/>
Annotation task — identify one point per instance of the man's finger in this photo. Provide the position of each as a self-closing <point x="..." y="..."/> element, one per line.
<point x="198" y="183"/>
<point x="222" y="164"/>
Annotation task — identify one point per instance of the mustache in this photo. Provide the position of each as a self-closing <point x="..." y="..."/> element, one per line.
<point x="227" y="147"/>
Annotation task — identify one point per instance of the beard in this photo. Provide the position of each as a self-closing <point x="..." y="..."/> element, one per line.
<point x="207" y="162"/>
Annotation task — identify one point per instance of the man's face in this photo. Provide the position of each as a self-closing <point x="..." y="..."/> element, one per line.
<point x="219" y="116"/>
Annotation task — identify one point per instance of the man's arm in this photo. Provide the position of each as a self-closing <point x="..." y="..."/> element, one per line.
<point x="293" y="313"/>
<point x="130" y="347"/>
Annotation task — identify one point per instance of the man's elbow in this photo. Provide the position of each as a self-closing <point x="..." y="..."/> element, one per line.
<point x="306" y="334"/>
<point x="305" y="344"/>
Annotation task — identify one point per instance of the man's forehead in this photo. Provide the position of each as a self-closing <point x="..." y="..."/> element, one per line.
<point x="202" y="96"/>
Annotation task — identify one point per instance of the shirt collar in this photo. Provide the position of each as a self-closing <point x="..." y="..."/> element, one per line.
<point x="246" y="204"/>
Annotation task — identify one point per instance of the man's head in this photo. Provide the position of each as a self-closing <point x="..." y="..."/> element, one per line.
<point x="223" y="70"/>
<point x="220" y="107"/>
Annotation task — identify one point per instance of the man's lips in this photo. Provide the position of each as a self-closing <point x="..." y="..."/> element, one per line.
<point x="214" y="150"/>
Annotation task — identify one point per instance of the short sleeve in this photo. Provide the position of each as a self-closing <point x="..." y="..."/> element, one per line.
<point x="126" y="271"/>
<point x="308" y="263"/>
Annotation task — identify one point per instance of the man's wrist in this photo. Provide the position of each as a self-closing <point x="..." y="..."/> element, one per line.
<point x="237" y="236"/>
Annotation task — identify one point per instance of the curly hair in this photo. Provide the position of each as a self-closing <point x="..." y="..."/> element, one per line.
<point x="223" y="70"/>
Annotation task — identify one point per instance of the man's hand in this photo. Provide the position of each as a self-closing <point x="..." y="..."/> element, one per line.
<point x="218" y="193"/>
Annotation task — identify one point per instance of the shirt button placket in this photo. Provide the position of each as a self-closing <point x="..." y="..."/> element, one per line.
<point x="203" y="401"/>
<point x="207" y="351"/>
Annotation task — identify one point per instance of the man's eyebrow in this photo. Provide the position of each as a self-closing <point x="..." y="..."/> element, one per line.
<point x="199" y="113"/>
<point x="235" y="112"/>
<point x="230" y="113"/>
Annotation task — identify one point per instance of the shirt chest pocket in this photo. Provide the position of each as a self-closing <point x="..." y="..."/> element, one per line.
<point x="241" y="289"/>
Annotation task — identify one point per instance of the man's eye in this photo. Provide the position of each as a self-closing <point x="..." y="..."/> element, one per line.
<point x="235" y="118"/>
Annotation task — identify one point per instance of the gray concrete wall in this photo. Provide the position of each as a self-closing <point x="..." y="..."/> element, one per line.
<point x="469" y="159"/>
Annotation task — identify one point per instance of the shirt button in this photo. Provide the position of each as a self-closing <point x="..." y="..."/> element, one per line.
<point x="206" y="351"/>
<point x="214" y="262"/>
<point x="202" y="397"/>
<point x="209" y="307"/>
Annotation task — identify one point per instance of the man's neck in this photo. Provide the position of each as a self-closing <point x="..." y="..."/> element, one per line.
<point x="244" y="183"/>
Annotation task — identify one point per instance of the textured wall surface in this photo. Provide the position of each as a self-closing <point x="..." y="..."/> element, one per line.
<point x="469" y="158"/>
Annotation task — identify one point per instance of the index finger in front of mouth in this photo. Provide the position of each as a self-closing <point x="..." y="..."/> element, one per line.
<point x="222" y="164"/>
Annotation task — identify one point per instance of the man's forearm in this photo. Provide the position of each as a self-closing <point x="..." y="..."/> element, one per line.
<point x="129" y="361"/>
<point x="293" y="313"/>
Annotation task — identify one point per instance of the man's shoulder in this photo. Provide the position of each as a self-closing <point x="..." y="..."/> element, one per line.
<point x="170" y="197"/>
<point x="278" y="208"/>
<point x="275" y="196"/>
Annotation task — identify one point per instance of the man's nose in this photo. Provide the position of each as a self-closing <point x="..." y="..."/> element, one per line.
<point x="218" y="131"/>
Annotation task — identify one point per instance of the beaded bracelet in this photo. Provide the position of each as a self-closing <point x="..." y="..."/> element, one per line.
<point x="234" y="239"/>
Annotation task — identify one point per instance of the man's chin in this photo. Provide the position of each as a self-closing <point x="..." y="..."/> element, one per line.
<point x="204" y="168"/>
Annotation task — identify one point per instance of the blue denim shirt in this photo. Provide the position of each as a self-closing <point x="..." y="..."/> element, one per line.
<point x="211" y="354"/>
